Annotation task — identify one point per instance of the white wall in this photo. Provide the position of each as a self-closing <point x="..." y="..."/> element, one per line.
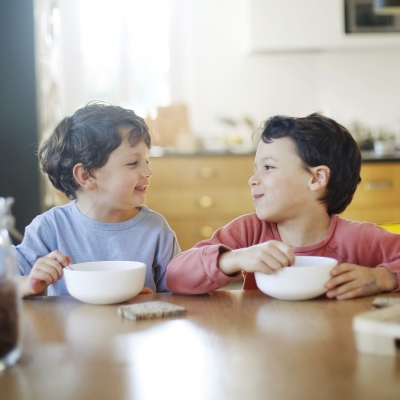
<point x="214" y="72"/>
<point x="218" y="75"/>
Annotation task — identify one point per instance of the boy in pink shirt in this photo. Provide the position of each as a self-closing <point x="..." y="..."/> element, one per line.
<point x="305" y="173"/>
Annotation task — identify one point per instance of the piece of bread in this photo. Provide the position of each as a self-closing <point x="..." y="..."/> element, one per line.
<point x="151" y="309"/>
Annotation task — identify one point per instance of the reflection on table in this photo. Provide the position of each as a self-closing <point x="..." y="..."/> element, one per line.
<point x="231" y="345"/>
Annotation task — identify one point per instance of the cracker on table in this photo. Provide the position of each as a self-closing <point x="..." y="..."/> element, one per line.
<point x="382" y="302"/>
<point x="151" y="309"/>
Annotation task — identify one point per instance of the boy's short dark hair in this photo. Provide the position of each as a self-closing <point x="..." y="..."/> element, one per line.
<point x="320" y="140"/>
<point x="88" y="137"/>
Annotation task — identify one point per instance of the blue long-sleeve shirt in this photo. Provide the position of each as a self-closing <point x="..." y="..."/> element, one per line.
<point x="146" y="238"/>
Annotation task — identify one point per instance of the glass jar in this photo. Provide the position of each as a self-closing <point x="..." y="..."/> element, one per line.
<point x="10" y="300"/>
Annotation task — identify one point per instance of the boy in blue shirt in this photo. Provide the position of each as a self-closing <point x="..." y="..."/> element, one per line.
<point x="99" y="158"/>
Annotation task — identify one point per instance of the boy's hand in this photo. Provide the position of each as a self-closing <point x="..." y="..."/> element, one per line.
<point x="47" y="270"/>
<point x="146" y="290"/>
<point x="350" y="280"/>
<point x="265" y="257"/>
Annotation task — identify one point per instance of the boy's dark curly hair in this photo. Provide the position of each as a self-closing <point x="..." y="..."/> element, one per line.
<point x="88" y="137"/>
<point x="320" y="140"/>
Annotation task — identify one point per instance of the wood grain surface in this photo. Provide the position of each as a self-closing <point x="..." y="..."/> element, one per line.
<point x="230" y="345"/>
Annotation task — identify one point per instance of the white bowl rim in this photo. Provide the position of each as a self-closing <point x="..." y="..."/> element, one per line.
<point x="322" y="259"/>
<point x="130" y="265"/>
<point x="328" y="264"/>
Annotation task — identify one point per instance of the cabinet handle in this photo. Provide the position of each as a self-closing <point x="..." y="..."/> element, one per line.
<point x="206" y="201"/>
<point x="206" y="231"/>
<point x="377" y="185"/>
<point x="206" y="172"/>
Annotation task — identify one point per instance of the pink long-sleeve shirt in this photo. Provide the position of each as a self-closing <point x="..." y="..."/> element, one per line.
<point x="196" y="271"/>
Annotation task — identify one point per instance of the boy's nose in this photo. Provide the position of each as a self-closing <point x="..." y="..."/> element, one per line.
<point x="253" y="181"/>
<point x="148" y="172"/>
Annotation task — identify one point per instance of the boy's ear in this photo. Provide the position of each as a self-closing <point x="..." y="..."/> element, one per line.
<point x="320" y="177"/>
<point x="83" y="177"/>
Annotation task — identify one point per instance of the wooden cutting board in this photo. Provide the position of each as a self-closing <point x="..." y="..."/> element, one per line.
<point x="169" y="123"/>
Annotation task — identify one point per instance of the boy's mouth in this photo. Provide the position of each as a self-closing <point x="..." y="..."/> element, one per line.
<point x="257" y="196"/>
<point x="141" y="188"/>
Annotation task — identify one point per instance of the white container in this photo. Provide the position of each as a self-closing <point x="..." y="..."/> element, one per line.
<point x="384" y="147"/>
<point x="105" y="282"/>
<point x="304" y="280"/>
<point x="378" y="331"/>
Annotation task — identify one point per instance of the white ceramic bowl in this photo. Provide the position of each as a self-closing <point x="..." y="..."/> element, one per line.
<point x="301" y="281"/>
<point x="105" y="282"/>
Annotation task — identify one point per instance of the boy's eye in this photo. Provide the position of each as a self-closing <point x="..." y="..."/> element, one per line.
<point x="133" y="163"/>
<point x="268" y="167"/>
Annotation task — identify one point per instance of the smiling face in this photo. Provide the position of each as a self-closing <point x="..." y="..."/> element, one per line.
<point x="121" y="184"/>
<point x="280" y="184"/>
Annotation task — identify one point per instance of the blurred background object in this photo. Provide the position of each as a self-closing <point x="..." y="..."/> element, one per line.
<point x="19" y="173"/>
<point x="168" y="124"/>
<point x="387" y="7"/>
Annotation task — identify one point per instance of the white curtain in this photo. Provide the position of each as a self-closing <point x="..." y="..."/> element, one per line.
<point x="116" y="51"/>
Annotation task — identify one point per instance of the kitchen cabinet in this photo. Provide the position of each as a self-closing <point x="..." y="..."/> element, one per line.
<point x="199" y="194"/>
<point x="307" y="25"/>
<point x="377" y="198"/>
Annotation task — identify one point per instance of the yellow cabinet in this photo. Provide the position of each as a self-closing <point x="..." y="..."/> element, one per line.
<point x="377" y="198"/>
<point x="199" y="194"/>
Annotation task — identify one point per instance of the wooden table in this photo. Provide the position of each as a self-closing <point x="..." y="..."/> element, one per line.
<point x="231" y="345"/>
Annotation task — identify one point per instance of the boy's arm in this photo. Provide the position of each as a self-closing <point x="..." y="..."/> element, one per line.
<point x="214" y="263"/>
<point x="196" y="270"/>
<point x="37" y="245"/>
<point x="263" y="257"/>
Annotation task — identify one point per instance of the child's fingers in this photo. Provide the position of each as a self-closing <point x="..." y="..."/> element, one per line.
<point x="287" y="252"/>
<point x="38" y="286"/>
<point x="340" y="279"/>
<point x="50" y="266"/>
<point x="276" y="260"/>
<point x="268" y="264"/>
<point x="146" y="290"/>
<point x="359" y="281"/>
<point x="46" y="273"/>
<point x="264" y="267"/>
<point x="277" y="255"/>
<point x="353" y="290"/>
<point x="39" y="281"/>
<point x="350" y="294"/>
<point x="274" y="263"/>
<point x="345" y="286"/>
<point x="54" y="268"/>
<point x="60" y="257"/>
<point x="341" y="268"/>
